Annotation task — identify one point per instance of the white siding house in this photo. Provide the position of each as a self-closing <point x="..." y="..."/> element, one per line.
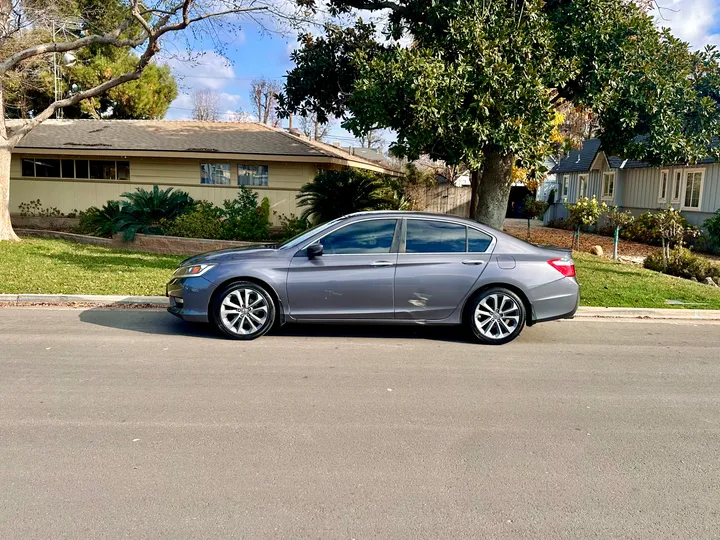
<point x="636" y="186"/>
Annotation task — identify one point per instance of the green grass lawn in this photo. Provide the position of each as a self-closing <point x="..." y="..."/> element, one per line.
<point x="604" y="283"/>
<point x="56" y="266"/>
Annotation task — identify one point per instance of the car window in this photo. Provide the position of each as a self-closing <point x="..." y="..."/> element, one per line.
<point x="373" y="236"/>
<point x="425" y="236"/>
<point x="478" y="242"/>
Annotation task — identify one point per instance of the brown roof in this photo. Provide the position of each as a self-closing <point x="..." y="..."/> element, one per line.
<point x="179" y="136"/>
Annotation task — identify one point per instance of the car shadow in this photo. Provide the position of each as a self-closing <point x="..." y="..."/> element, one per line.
<point x="159" y="322"/>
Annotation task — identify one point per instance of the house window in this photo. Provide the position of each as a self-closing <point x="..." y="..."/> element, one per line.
<point x="582" y="185"/>
<point x="47" y="168"/>
<point x="565" y="185"/>
<point x="102" y="170"/>
<point x="215" y="173"/>
<point x="664" y="178"/>
<point x="95" y="169"/>
<point x="677" y="183"/>
<point x="608" y="185"/>
<point x="693" y="189"/>
<point x="252" y="175"/>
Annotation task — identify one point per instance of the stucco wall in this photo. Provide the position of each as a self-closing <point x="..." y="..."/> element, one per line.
<point x="284" y="181"/>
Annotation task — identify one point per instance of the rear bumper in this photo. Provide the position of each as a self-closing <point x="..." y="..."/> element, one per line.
<point x="557" y="300"/>
<point x="189" y="298"/>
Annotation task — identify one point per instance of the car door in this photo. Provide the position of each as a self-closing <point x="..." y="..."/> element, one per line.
<point x="352" y="279"/>
<point x="438" y="263"/>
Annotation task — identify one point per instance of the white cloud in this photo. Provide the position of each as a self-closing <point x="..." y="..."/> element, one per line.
<point x="694" y="21"/>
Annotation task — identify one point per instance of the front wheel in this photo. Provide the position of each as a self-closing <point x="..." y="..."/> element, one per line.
<point x="496" y="316"/>
<point x="243" y="310"/>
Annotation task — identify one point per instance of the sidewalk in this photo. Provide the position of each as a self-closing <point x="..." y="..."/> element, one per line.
<point x="162" y="302"/>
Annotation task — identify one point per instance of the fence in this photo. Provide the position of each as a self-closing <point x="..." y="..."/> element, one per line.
<point x="442" y="199"/>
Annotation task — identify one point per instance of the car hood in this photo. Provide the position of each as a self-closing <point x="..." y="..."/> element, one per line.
<point x="248" y="252"/>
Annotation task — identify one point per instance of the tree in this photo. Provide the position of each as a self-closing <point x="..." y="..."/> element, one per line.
<point x="263" y="99"/>
<point x="483" y="79"/>
<point x="371" y="139"/>
<point x="206" y="105"/>
<point x="583" y="213"/>
<point x="618" y="220"/>
<point x="313" y="129"/>
<point x="30" y="89"/>
<point x="533" y="209"/>
<point x="125" y="24"/>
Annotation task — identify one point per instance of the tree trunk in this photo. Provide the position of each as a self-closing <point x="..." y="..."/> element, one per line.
<point x="495" y="184"/>
<point x="6" y="230"/>
<point x="474" y="181"/>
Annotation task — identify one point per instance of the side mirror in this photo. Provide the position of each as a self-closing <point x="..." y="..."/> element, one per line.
<point x="314" y="250"/>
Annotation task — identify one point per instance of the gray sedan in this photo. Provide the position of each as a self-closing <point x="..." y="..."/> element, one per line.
<point x="381" y="267"/>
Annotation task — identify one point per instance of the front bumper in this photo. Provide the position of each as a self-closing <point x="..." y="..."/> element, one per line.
<point x="189" y="298"/>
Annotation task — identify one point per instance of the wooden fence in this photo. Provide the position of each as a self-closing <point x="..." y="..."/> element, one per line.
<point x="442" y="199"/>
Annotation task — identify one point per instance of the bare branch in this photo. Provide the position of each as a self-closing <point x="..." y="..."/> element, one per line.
<point x="18" y="133"/>
<point x="60" y="47"/>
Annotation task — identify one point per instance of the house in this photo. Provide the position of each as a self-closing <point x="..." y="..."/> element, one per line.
<point x="75" y="164"/>
<point x="636" y="186"/>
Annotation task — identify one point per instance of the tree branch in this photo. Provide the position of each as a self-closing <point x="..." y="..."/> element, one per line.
<point x="18" y="133"/>
<point x="60" y="47"/>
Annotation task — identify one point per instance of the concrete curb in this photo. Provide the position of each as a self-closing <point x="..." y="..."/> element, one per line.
<point x="648" y="313"/>
<point x="161" y="301"/>
<point x="154" y="301"/>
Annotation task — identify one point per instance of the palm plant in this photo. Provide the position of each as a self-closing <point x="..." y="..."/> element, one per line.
<point x="144" y="211"/>
<point x="335" y="193"/>
<point x="100" y="221"/>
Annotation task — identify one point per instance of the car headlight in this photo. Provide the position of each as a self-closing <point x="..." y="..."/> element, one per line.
<point x="194" y="270"/>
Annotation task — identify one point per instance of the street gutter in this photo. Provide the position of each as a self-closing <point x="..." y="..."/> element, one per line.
<point x="138" y="302"/>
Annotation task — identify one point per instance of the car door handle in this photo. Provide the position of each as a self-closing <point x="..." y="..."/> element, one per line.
<point x="473" y="261"/>
<point x="382" y="263"/>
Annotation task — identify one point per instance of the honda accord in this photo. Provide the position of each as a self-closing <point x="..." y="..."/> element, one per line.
<point x="387" y="267"/>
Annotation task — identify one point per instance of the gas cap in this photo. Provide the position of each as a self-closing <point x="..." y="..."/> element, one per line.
<point x="506" y="262"/>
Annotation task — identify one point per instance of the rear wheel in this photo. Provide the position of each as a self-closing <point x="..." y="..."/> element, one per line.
<point x="496" y="316"/>
<point x="243" y="310"/>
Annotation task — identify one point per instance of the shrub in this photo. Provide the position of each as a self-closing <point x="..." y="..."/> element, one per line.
<point x="145" y="211"/>
<point x="713" y="229"/>
<point x="36" y="209"/>
<point x="682" y="263"/>
<point x="204" y="221"/>
<point x="335" y="193"/>
<point x="99" y="221"/>
<point x="643" y="229"/>
<point x="291" y="226"/>
<point x="243" y="219"/>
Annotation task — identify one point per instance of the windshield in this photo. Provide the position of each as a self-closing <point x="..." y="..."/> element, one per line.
<point x="303" y="236"/>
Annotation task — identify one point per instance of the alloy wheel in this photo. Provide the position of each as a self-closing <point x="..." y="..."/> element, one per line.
<point x="244" y="312"/>
<point x="497" y="316"/>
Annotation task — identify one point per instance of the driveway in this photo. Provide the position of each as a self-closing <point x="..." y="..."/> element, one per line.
<point x="131" y="424"/>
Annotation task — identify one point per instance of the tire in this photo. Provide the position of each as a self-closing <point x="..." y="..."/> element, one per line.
<point x="253" y="320"/>
<point x="495" y="316"/>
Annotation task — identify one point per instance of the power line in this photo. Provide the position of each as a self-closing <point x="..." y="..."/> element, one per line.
<point x="181" y="76"/>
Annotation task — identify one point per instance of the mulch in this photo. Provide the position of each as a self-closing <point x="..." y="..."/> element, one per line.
<point x="548" y="236"/>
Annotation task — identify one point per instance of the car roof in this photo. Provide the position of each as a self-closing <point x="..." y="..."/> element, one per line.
<point x="500" y="235"/>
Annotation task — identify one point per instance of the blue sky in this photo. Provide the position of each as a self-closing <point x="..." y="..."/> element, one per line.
<point x="251" y="54"/>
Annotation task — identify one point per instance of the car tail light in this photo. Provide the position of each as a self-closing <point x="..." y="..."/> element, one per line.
<point x="565" y="266"/>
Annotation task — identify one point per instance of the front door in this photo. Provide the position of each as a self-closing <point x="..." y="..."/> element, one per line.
<point x="352" y="279"/>
<point x="440" y="263"/>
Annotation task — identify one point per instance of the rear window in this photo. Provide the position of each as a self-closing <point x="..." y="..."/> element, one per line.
<point x="425" y="236"/>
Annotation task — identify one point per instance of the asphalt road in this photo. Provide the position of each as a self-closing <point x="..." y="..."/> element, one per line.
<point x="132" y="424"/>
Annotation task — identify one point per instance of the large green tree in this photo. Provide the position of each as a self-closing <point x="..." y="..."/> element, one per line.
<point x="481" y="80"/>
